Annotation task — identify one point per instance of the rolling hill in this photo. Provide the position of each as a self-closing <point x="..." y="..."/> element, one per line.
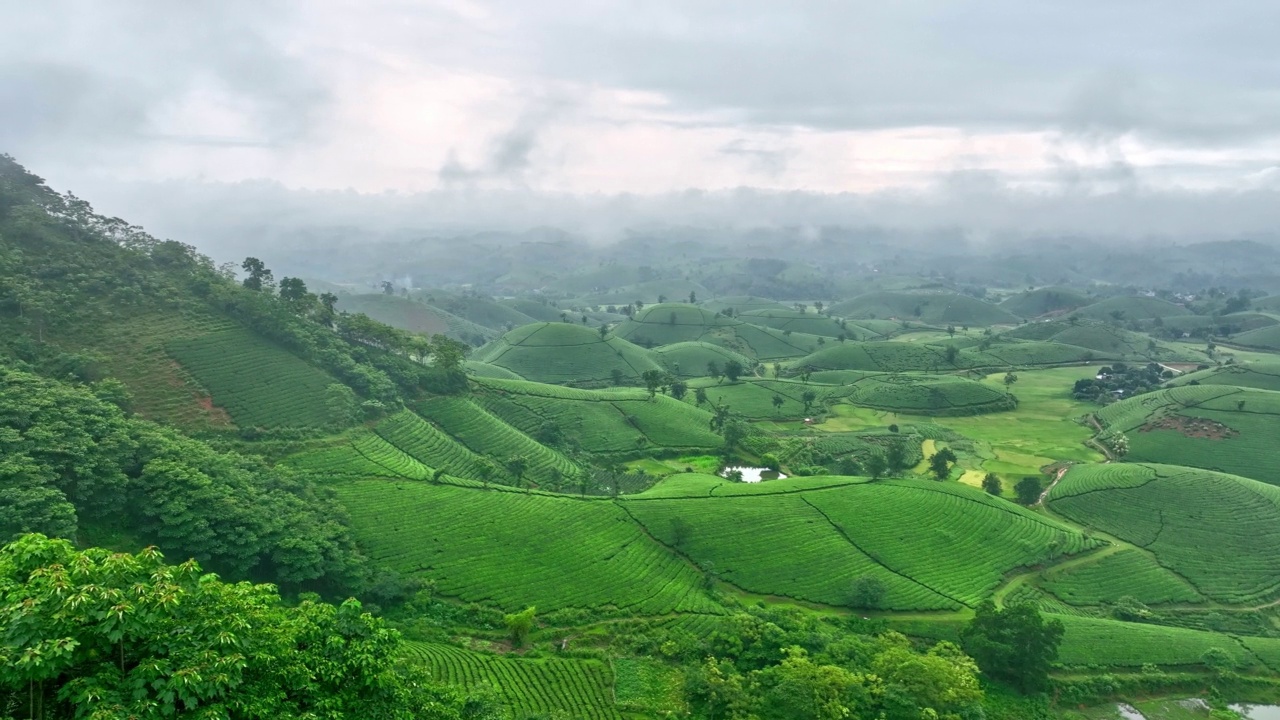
<point x="565" y="353"/>
<point x="937" y="308"/>
<point x="1044" y="301"/>
<point x="1132" y="308"/>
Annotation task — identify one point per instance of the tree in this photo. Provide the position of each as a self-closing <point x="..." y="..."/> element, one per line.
<point x="388" y="288"/>
<point x="447" y="353"/>
<point x="896" y="457"/>
<point x="940" y="463"/>
<point x="616" y="376"/>
<point x="801" y="688"/>
<point x="341" y="405"/>
<point x="681" y="531"/>
<point x="693" y="298"/>
<point x="876" y="466"/>
<point x="991" y="484"/>
<point x="517" y="465"/>
<point x="293" y="293"/>
<point x="777" y="401"/>
<point x="1028" y="490"/>
<point x="777" y="370"/>
<point x="259" y="278"/>
<point x="951" y="330"/>
<point x="771" y="461"/>
<point x="328" y="307"/>
<point x="735" y="430"/>
<point x="97" y="634"/>
<point x="1015" y="645"/>
<point x="733" y="370"/>
<point x="713" y="369"/>
<point x="604" y="331"/>
<point x="519" y="625"/>
<point x="867" y="592"/>
<point x="679" y="389"/>
<point x="951" y="353"/>
<point x="700" y="396"/>
<point x="808" y="397"/>
<point x="1010" y="378"/>
<point x="652" y="380"/>
<point x="942" y="683"/>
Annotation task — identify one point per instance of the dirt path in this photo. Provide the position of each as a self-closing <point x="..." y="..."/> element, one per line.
<point x="1058" y="476"/>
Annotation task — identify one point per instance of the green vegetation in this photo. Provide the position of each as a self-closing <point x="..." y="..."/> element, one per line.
<point x="517" y="549"/>
<point x="927" y="307"/>
<point x="1216" y="427"/>
<point x="1044" y="301"/>
<point x="1127" y="573"/>
<point x="1218" y="532"/>
<point x="565" y="353"/>
<point x="259" y="384"/>
<point x="1267" y="338"/>
<point x="1132" y="308"/>
<point x="101" y="634"/>
<point x="1261" y="376"/>
<point x="581" y="688"/>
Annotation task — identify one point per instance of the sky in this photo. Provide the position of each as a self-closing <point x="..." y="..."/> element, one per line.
<point x="1153" y="101"/>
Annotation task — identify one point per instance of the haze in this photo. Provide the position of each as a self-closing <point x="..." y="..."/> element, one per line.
<point x="1134" y="119"/>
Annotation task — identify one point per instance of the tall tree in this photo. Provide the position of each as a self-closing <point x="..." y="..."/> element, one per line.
<point x="1015" y="645"/>
<point x="259" y="278"/>
<point x="733" y="370"/>
<point x="652" y="380"/>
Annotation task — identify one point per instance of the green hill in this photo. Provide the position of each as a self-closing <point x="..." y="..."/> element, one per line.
<point x="743" y="303"/>
<point x="1261" y="376"/>
<point x="927" y="395"/>
<point x="415" y="316"/>
<point x="1221" y="533"/>
<point x="1217" y="427"/>
<point x="617" y="420"/>
<point x="807" y="322"/>
<point x="565" y="353"/>
<point x="896" y="356"/>
<point x="1044" y="301"/>
<point x="1132" y="308"/>
<point x="1266" y="338"/>
<point x="515" y="549"/>
<point x="483" y="311"/>
<point x="671" y="323"/>
<point x="538" y="311"/>
<point x="1103" y="339"/>
<point x="938" y="308"/>
<point x="1218" y="325"/>
<point x="689" y="359"/>
<point x="1270" y="304"/>
<point x="654" y="291"/>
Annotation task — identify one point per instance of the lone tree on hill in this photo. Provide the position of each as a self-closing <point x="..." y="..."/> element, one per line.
<point x="679" y="389"/>
<point x="733" y="370"/>
<point x="259" y="276"/>
<point x="700" y="396"/>
<point x="693" y="297"/>
<point x="616" y="376"/>
<point x="867" y="592"/>
<point x="328" y="307"/>
<point x="940" y="463"/>
<point x="519" y="625"/>
<point x="876" y="466"/>
<point x="950" y="354"/>
<point x="992" y="485"/>
<point x="1015" y="645"/>
<point x="1010" y="378"/>
<point x="896" y="458"/>
<point x="517" y="465"/>
<point x="652" y="381"/>
<point x="777" y="403"/>
<point x="603" y="330"/>
<point x="1028" y="490"/>
<point x="713" y="369"/>
<point x="808" y="397"/>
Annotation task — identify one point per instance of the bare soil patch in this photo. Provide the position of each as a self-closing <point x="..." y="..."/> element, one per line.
<point x="1191" y="427"/>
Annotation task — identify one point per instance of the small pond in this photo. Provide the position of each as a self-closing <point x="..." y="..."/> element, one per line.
<point x="753" y="474"/>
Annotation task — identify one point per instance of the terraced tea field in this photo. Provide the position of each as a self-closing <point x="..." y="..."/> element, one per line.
<point x="543" y="687"/>
<point x="1216" y="427"/>
<point x="565" y="353"/>
<point x="258" y="383"/>
<point x="515" y="549"/>
<point x="1221" y="533"/>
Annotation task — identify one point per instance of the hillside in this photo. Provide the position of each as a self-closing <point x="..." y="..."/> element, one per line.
<point x="1266" y="338"/>
<point x="937" y="308"/>
<point x="566" y="353"/>
<point x="671" y="323"/>
<point x="1211" y="426"/>
<point x="1261" y="375"/>
<point x="1132" y="308"/>
<point x="1044" y="301"/>
<point x="415" y="316"/>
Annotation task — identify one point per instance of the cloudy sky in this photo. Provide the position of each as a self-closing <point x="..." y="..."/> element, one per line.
<point x="648" y="97"/>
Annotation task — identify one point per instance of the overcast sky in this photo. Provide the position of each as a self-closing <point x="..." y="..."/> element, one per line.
<point x="647" y="96"/>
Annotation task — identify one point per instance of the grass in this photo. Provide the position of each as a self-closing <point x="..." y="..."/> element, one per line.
<point x="672" y="323"/>
<point x="257" y="382"/>
<point x="1260" y="376"/>
<point x="528" y="687"/>
<point x="689" y="359"/>
<point x="565" y="353"/>
<point x="1132" y="308"/>
<point x="1219" y="532"/>
<point x="514" y="549"/>
<point x="1111" y="643"/>
<point x="1042" y="301"/>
